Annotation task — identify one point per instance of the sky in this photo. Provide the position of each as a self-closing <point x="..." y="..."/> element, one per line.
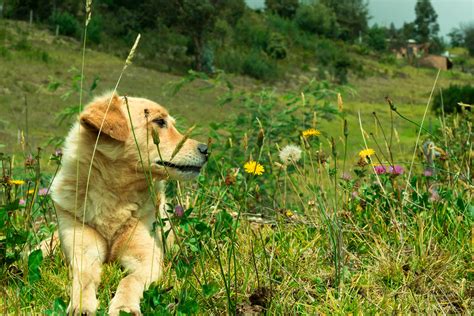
<point x="451" y="13"/>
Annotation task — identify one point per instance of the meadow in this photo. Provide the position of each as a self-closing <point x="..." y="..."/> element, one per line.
<point x="317" y="198"/>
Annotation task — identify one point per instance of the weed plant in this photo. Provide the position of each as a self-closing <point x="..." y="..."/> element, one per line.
<point x="281" y="220"/>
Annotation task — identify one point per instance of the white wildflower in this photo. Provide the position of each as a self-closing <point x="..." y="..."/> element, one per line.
<point x="290" y="154"/>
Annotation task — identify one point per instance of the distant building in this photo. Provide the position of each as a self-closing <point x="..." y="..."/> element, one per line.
<point x="436" y="61"/>
<point x="414" y="51"/>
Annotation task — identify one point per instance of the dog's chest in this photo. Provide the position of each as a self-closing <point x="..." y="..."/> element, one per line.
<point x="109" y="219"/>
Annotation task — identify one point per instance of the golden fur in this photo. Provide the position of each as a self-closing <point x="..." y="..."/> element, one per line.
<point x="113" y="221"/>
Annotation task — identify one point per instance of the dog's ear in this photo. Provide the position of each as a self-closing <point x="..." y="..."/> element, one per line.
<point x="115" y="123"/>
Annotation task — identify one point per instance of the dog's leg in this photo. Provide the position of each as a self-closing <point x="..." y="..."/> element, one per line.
<point x="85" y="250"/>
<point x="141" y="254"/>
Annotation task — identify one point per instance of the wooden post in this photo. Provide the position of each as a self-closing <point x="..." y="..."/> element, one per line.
<point x="57" y="30"/>
<point x="31" y="17"/>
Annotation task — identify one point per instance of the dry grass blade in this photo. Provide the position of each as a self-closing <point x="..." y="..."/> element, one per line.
<point x="182" y="141"/>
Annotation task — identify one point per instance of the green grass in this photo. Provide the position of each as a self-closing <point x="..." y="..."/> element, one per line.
<point x="295" y="240"/>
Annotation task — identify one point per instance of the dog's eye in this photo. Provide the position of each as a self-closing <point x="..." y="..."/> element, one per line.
<point x="160" y="122"/>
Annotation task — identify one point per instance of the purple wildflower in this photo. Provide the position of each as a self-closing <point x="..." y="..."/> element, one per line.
<point x="58" y="152"/>
<point x="355" y="194"/>
<point x="22" y="202"/>
<point x="380" y="169"/>
<point x="428" y="173"/>
<point x="346" y="176"/>
<point x="179" y="211"/>
<point x="43" y="191"/>
<point x="395" y="170"/>
<point x="434" y="197"/>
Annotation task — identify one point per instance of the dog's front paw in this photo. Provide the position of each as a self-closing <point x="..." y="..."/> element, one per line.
<point x="88" y="307"/>
<point x="116" y="306"/>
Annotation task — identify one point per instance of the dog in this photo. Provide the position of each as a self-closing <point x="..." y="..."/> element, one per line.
<point x="106" y="210"/>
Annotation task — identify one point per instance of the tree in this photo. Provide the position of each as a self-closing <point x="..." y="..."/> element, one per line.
<point x="352" y="17"/>
<point x="426" y="25"/>
<point x="468" y="31"/>
<point x="456" y="37"/>
<point x="376" y="38"/>
<point x="317" y="19"/>
<point x="284" y="8"/>
<point x="196" y="19"/>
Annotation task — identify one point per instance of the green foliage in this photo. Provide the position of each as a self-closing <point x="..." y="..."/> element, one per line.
<point x="284" y="8"/>
<point x="352" y="17"/>
<point x="426" y="25"/>
<point x="333" y="60"/>
<point x="469" y="38"/>
<point x="317" y="19"/>
<point x="68" y="24"/>
<point x="258" y="66"/>
<point x="276" y="46"/>
<point x="376" y="38"/>
<point x="448" y="98"/>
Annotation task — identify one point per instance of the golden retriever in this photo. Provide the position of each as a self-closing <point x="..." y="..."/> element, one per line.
<point x="109" y="214"/>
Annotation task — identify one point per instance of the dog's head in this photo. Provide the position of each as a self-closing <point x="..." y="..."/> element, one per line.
<point x="127" y="136"/>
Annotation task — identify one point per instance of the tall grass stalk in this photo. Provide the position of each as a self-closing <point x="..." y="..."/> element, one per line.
<point x="418" y="138"/>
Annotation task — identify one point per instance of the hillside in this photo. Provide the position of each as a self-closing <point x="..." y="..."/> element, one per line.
<point x="32" y="59"/>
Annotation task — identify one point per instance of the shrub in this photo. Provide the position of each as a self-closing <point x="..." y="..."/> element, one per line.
<point x="257" y="66"/>
<point x="94" y="30"/>
<point x="276" y="47"/>
<point x="230" y="61"/>
<point x="333" y="59"/>
<point x="451" y="96"/>
<point x="376" y="38"/>
<point x="252" y="32"/>
<point x="317" y="19"/>
<point x="68" y="24"/>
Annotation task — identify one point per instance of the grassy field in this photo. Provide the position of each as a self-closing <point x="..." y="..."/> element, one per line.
<point x="324" y="233"/>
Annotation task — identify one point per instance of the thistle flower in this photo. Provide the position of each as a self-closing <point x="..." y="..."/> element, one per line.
<point x="290" y="154"/>
<point x="346" y="176"/>
<point x="43" y="191"/>
<point x="254" y="167"/>
<point x="179" y="211"/>
<point x="395" y="170"/>
<point x="311" y="132"/>
<point x="380" y="169"/>
<point x="366" y="153"/>
<point x="428" y="173"/>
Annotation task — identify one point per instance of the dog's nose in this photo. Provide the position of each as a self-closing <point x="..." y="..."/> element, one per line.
<point x="202" y="149"/>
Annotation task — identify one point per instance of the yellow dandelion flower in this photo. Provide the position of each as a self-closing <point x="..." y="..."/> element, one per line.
<point x="31" y="191"/>
<point x="16" y="182"/>
<point x="254" y="167"/>
<point x="289" y="213"/>
<point x="366" y="153"/>
<point x="311" y="132"/>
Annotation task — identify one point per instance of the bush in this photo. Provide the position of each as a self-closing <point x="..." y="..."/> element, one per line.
<point x="376" y="37"/>
<point x="276" y="47"/>
<point x="252" y="32"/>
<point x="451" y="96"/>
<point x="333" y="59"/>
<point x="94" y="30"/>
<point x="68" y="24"/>
<point x="317" y="19"/>
<point x="257" y="66"/>
<point x="230" y="61"/>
